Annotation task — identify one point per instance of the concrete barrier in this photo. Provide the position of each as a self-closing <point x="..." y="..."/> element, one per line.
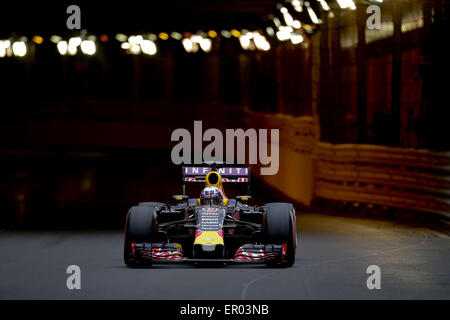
<point x="412" y="179"/>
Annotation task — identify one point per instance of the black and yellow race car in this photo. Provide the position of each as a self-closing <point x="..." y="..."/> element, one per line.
<point x="212" y="228"/>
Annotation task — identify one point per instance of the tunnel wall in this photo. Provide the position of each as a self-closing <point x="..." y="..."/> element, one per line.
<point x="359" y="174"/>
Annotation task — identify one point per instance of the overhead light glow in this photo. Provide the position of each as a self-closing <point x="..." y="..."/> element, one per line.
<point x="245" y="42"/>
<point x="346" y="4"/>
<point x="261" y="42"/>
<point x="104" y="38"/>
<point x="19" y="48"/>
<point x="176" y="35"/>
<point x="276" y="22"/>
<point x="270" y="31"/>
<point x="283" y="35"/>
<point x="296" y="38"/>
<point x="55" y="39"/>
<point x="288" y="19"/>
<point x="148" y="47"/>
<point x="206" y="44"/>
<point x="71" y="49"/>
<point x="62" y="47"/>
<point x="296" y="24"/>
<point x="324" y="5"/>
<point x="125" y="45"/>
<point x="74" y="42"/>
<point x="38" y="39"/>
<point x="3" y="48"/>
<point x="88" y="47"/>
<point x="312" y="15"/>
<point x="163" y="36"/>
<point x="121" y="37"/>
<point x="135" y="48"/>
<point x="212" y="34"/>
<point x="225" y="34"/>
<point x="189" y="45"/>
<point x="235" y="33"/>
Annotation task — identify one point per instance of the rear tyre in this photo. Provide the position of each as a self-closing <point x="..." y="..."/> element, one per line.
<point x="280" y="228"/>
<point x="139" y="227"/>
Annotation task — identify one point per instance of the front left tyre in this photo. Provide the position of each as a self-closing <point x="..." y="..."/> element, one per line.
<point x="139" y="227"/>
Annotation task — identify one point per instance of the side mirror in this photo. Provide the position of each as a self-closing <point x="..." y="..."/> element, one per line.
<point x="244" y="198"/>
<point x="180" y="197"/>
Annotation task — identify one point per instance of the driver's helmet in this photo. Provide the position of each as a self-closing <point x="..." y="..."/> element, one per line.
<point x="211" y="196"/>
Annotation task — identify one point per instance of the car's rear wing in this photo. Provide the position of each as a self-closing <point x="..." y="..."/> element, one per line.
<point x="229" y="173"/>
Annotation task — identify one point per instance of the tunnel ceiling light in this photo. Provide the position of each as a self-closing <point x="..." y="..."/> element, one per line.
<point x="135" y="39"/>
<point x="72" y="49"/>
<point x="235" y="33"/>
<point x="176" y="35"/>
<point x="37" y="39"/>
<point x="163" y="36"/>
<point x="276" y="22"/>
<point x="189" y="45"/>
<point x="284" y="33"/>
<point x="121" y="37"/>
<point x="135" y="49"/>
<point x="225" y="34"/>
<point x="296" y="38"/>
<point x="152" y="36"/>
<point x="74" y="42"/>
<point x="88" y="47"/>
<point x="2" y="48"/>
<point x="55" y="39"/>
<point x="324" y="5"/>
<point x="270" y="31"/>
<point x="104" y="38"/>
<point x="261" y="42"/>
<point x="206" y="44"/>
<point x="245" y="42"/>
<point x="148" y="47"/>
<point x="125" y="45"/>
<point x="62" y="47"/>
<point x="296" y="24"/>
<point x="288" y="19"/>
<point x="212" y="34"/>
<point x="19" y="48"/>
<point x="311" y="13"/>
<point x="346" y="4"/>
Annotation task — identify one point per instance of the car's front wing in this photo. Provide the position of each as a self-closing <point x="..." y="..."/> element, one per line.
<point x="149" y="253"/>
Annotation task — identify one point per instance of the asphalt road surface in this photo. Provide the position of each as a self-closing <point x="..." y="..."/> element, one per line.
<point x="332" y="258"/>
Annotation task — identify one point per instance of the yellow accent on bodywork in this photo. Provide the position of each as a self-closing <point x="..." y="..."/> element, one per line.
<point x="178" y="245"/>
<point x="218" y="185"/>
<point x="209" y="238"/>
<point x="219" y="180"/>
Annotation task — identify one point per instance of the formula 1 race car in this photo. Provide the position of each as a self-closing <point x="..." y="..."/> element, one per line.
<point x="212" y="228"/>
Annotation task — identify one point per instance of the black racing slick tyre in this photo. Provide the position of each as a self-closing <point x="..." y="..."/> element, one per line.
<point x="139" y="227"/>
<point x="280" y="228"/>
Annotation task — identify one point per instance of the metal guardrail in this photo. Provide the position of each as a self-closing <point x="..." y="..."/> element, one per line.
<point x="412" y="179"/>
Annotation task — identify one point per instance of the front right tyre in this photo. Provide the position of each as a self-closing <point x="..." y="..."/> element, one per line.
<point x="280" y="228"/>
